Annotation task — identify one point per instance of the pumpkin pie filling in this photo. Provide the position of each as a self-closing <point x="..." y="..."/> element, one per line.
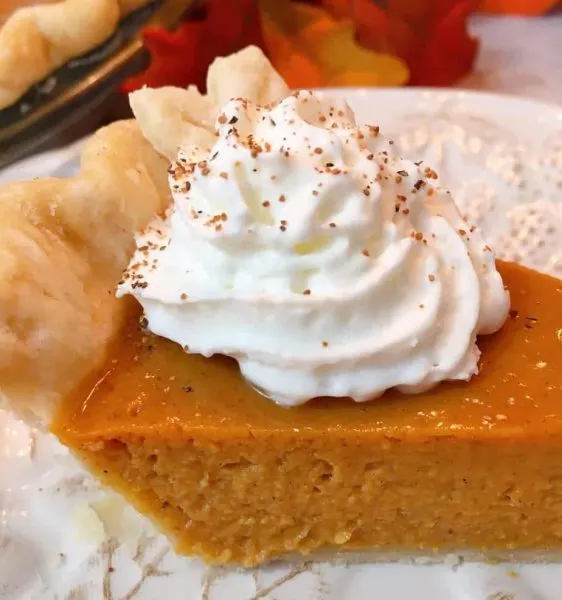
<point x="233" y="477"/>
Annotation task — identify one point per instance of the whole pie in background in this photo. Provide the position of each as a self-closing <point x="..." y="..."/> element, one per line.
<point x="38" y="36"/>
<point x="226" y="473"/>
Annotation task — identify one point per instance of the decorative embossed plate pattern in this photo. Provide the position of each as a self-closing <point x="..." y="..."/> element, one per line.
<point x="63" y="537"/>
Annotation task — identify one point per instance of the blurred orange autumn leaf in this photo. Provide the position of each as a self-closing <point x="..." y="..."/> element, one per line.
<point x="310" y="47"/>
<point x="320" y="42"/>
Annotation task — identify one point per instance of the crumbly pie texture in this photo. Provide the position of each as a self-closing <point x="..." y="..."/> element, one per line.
<point x="36" y="40"/>
<point x="65" y="242"/>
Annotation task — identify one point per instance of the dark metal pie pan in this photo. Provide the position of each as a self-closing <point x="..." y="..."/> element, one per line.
<point x="76" y="96"/>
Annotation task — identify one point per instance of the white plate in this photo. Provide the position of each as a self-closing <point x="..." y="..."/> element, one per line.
<point x="62" y="537"/>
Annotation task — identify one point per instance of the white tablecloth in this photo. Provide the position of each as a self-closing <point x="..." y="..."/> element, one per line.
<point x="520" y="56"/>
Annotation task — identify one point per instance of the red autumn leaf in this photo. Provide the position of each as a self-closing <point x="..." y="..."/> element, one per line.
<point x="431" y="37"/>
<point x="182" y="57"/>
<point x="450" y="51"/>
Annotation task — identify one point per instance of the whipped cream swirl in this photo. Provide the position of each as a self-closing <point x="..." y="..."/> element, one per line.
<point x="300" y="245"/>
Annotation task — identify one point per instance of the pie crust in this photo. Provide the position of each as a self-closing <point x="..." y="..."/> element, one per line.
<point x="36" y="40"/>
<point x="65" y="242"/>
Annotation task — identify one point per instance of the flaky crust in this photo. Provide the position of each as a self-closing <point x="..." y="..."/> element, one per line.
<point x="36" y="40"/>
<point x="172" y="117"/>
<point x="65" y="242"/>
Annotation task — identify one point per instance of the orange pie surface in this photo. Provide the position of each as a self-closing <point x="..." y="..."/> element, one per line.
<point x="230" y="476"/>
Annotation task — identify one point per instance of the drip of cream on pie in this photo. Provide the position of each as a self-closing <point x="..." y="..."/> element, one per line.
<point x="301" y="246"/>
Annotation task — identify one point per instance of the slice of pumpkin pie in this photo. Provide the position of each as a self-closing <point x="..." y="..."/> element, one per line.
<point x="309" y="350"/>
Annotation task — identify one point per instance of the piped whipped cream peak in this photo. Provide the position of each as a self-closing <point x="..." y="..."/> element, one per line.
<point x="300" y="245"/>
